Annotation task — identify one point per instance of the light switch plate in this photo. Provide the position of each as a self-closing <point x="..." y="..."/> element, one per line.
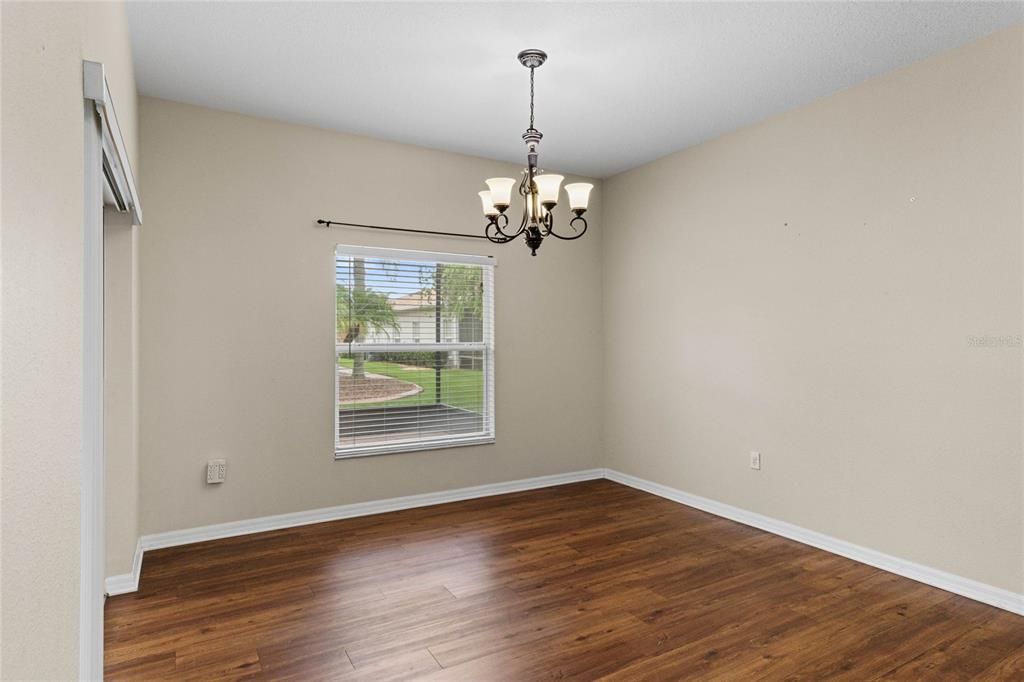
<point x="755" y="460"/>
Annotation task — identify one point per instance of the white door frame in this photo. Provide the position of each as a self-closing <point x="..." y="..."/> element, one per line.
<point x="107" y="180"/>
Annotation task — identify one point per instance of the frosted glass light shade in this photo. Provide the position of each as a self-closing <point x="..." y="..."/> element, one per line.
<point x="547" y="188"/>
<point x="488" y="205"/>
<point x="501" y="191"/>
<point x="579" y="195"/>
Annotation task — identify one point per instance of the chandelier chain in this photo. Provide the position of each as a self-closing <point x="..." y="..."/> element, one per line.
<point x="531" y="98"/>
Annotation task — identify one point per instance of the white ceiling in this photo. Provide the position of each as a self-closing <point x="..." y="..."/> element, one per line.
<point x="625" y="82"/>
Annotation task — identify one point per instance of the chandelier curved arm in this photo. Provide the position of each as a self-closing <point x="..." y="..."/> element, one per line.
<point x="525" y="183"/>
<point x="493" y="230"/>
<point x="511" y="235"/>
<point x="572" y="223"/>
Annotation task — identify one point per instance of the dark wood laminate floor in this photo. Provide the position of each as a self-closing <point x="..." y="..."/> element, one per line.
<point x="584" y="581"/>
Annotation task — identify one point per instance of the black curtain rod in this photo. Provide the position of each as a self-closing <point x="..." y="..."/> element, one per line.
<point x="330" y="223"/>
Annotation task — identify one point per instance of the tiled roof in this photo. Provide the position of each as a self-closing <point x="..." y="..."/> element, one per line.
<point x="424" y="298"/>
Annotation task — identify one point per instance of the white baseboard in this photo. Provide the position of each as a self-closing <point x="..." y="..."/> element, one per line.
<point x="972" y="589"/>
<point x="346" y="511"/>
<point x="126" y="582"/>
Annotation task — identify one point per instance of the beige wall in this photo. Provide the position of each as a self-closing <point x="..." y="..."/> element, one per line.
<point x="808" y="287"/>
<point x="237" y="325"/>
<point x="41" y="327"/>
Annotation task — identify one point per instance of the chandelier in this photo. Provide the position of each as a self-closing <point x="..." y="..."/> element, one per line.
<point x="539" y="190"/>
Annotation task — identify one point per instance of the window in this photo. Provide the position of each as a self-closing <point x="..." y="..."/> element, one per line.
<point x="414" y="350"/>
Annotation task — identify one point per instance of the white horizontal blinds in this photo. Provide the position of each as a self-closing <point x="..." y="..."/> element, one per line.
<point x="414" y="350"/>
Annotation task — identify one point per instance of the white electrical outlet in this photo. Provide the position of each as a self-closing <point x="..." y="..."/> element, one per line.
<point x="755" y="460"/>
<point x="216" y="471"/>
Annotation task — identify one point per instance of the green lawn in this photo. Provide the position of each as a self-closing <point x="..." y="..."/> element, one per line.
<point x="459" y="387"/>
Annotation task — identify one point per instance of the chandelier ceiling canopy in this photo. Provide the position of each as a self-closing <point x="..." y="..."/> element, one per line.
<point x="540" y="191"/>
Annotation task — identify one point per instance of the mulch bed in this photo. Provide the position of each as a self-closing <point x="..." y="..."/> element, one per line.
<point x="373" y="388"/>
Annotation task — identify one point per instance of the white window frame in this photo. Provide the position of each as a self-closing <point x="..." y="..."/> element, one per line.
<point x="485" y="437"/>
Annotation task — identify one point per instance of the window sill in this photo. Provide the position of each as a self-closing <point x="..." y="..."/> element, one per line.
<point x="418" y="446"/>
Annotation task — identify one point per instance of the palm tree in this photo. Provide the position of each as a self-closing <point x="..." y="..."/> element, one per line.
<point x="359" y="310"/>
<point x="463" y="287"/>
